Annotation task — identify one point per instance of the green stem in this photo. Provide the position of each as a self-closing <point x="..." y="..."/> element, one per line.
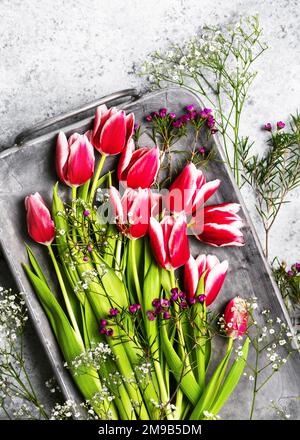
<point x="135" y="271"/>
<point x="74" y="195"/>
<point x="96" y="178"/>
<point x="64" y="292"/>
<point x="200" y="348"/>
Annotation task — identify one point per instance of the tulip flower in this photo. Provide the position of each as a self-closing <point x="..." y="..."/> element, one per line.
<point x="112" y="130"/>
<point x="215" y="273"/>
<point x="219" y="225"/>
<point x="39" y="222"/>
<point x="169" y="241"/>
<point x="75" y="159"/>
<point x="132" y="211"/>
<point x="138" y="168"/>
<point x="236" y="317"/>
<point x="190" y="190"/>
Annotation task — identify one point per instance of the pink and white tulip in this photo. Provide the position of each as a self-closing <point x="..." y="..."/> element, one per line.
<point x="75" y="159"/>
<point x="39" y="222"/>
<point x="131" y="211"/>
<point x="215" y="274"/>
<point x="236" y="317"/>
<point x="189" y="191"/>
<point x="169" y="241"/>
<point x="219" y="225"/>
<point x="138" y="168"/>
<point x="112" y="130"/>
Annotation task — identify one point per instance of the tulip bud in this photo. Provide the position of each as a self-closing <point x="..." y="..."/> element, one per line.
<point x="75" y="159"/>
<point x="139" y="168"/>
<point x="112" y="130"/>
<point x="236" y="317"/>
<point x="169" y="241"/>
<point x="39" y="222"/>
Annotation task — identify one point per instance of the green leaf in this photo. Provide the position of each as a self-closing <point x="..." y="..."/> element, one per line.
<point x="211" y="390"/>
<point x="231" y="380"/>
<point x="183" y="375"/>
<point x="35" y="265"/>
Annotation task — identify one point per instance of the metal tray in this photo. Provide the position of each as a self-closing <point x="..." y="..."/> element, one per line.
<point x="29" y="166"/>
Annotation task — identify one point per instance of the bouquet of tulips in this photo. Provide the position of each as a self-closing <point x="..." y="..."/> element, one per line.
<point x="137" y="338"/>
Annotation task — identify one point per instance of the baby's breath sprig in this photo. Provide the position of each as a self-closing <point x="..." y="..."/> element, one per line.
<point x="218" y="66"/>
<point x="16" y="388"/>
<point x="272" y="342"/>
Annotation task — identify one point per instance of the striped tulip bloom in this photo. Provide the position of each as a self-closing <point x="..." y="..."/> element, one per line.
<point x="39" y="222"/>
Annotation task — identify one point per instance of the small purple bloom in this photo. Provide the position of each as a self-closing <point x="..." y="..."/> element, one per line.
<point x="85" y="258"/>
<point x="201" y="298"/>
<point x="166" y="315"/>
<point x="192" y="301"/>
<point x="174" y="296"/>
<point x="182" y="295"/>
<point x="190" y="108"/>
<point x="211" y="121"/>
<point x="132" y="308"/>
<point x="86" y="213"/>
<point x="155" y="114"/>
<point x="151" y="315"/>
<point x="89" y="248"/>
<point x="174" y="290"/>
<point x="103" y="322"/>
<point x="268" y="126"/>
<point x="193" y="115"/>
<point x="297" y="267"/>
<point x="202" y="150"/>
<point x="165" y="303"/>
<point x="177" y="124"/>
<point x="163" y="112"/>
<point x="280" y="125"/>
<point x="136" y="126"/>
<point x="202" y="114"/>
<point x="207" y="110"/>
<point x="102" y="331"/>
<point x="149" y="118"/>
<point x="184" y="118"/>
<point x="158" y="309"/>
<point x="183" y="304"/>
<point x="172" y="115"/>
<point x="109" y="332"/>
<point x="290" y="272"/>
<point x="114" y="312"/>
<point x="156" y="302"/>
<point x="213" y="131"/>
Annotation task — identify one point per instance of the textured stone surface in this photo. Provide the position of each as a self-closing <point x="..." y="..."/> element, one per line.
<point x="58" y="55"/>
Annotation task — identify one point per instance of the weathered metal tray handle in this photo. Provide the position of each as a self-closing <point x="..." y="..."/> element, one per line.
<point x="28" y="134"/>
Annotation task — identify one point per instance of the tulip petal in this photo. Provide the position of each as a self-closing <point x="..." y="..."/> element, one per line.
<point x="39" y="222"/>
<point x="125" y="160"/>
<point x="101" y="116"/>
<point x="221" y="235"/>
<point x="129" y="127"/>
<point x="179" y="251"/>
<point x="116" y="204"/>
<point x="142" y="173"/>
<point x="62" y="154"/>
<point x="215" y="280"/>
<point x="201" y="264"/>
<point x="81" y="161"/>
<point x="211" y="261"/>
<point x="182" y="190"/>
<point x="139" y="214"/>
<point x="112" y="137"/>
<point x="204" y="193"/>
<point x="191" y="277"/>
<point x="157" y="242"/>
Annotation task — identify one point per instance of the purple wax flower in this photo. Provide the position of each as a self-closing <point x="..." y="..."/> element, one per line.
<point x="297" y="267"/>
<point x="174" y="290"/>
<point x="148" y="118"/>
<point x="193" y="115"/>
<point x="213" y="131"/>
<point x="177" y="124"/>
<point x="210" y="121"/>
<point x="183" y="304"/>
<point x="114" y="312"/>
<point x="172" y="115"/>
<point x="184" y="118"/>
<point x="290" y="272"/>
<point x="201" y="298"/>
<point x="280" y="125"/>
<point x="89" y="248"/>
<point x="132" y="308"/>
<point x="151" y="315"/>
<point x="268" y="126"/>
<point x="163" y="112"/>
<point x="158" y="309"/>
<point x="156" y="302"/>
<point x="85" y="258"/>
<point x="155" y="114"/>
<point x="192" y="301"/>
<point x="202" y="114"/>
<point x="202" y="150"/>
<point x="174" y="296"/>
<point x="207" y="110"/>
<point x="190" y="108"/>
<point x="102" y="331"/>
<point x="86" y="213"/>
<point x="103" y="322"/>
<point x="109" y="332"/>
<point x="165" y="303"/>
<point x="182" y="295"/>
<point x="166" y="315"/>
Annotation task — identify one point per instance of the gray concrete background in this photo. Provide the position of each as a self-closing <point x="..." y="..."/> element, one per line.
<point x="56" y="55"/>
